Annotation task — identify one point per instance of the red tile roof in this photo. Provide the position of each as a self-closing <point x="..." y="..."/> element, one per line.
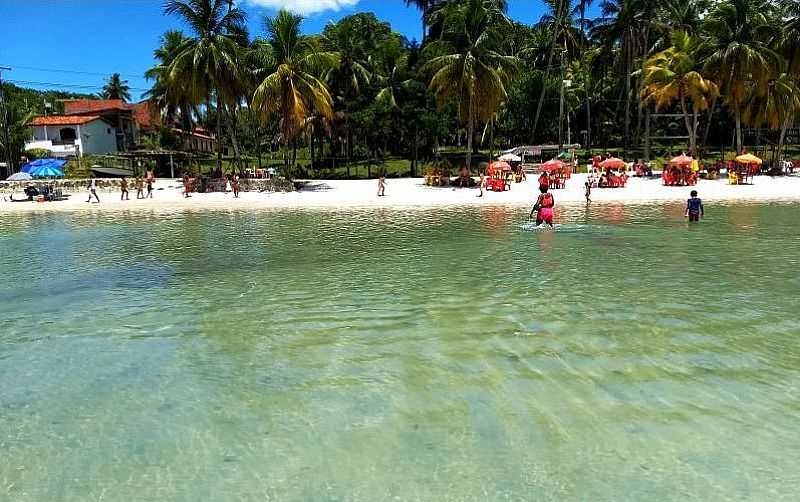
<point x="57" y="120"/>
<point x="143" y="115"/>
<point x="76" y="106"/>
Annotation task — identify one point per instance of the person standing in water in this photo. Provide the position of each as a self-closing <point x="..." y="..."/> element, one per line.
<point x="588" y="192"/>
<point x="543" y="207"/>
<point x="123" y="187"/>
<point x="694" y="207"/>
<point x="93" y="189"/>
<point x="381" y="185"/>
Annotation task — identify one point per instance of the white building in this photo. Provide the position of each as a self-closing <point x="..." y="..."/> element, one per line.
<point x="65" y="135"/>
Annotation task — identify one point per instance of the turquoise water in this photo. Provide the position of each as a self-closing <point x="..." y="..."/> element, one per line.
<point x="400" y="355"/>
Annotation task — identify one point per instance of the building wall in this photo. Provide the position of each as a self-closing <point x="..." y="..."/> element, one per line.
<point x="98" y="136"/>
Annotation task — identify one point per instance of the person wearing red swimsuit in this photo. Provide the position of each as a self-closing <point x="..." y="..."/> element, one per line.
<point x="544" y="207"/>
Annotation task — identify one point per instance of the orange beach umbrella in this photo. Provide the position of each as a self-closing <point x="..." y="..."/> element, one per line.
<point x="681" y="160"/>
<point x="748" y="158"/>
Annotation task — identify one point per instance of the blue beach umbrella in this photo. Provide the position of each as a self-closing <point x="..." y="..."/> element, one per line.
<point x="52" y="163"/>
<point x="46" y="172"/>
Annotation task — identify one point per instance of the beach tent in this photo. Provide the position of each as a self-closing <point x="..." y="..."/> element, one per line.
<point x="613" y="163"/>
<point x="748" y="158"/>
<point x="510" y="157"/>
<point x="681" y="160"/>
<point x="52" y="163"/>
<point x="20" y="177"/>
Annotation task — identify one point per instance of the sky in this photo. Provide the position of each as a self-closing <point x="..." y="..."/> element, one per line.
<point x="73" y="45"/>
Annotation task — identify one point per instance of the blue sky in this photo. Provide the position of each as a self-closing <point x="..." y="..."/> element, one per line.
<point x="77" y="43"/>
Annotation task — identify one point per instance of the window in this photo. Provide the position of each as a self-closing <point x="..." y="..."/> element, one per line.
<point x="109" y="130"/>
<point x="67" y="134"/>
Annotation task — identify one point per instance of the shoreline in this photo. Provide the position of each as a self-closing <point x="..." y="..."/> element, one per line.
<point x="404" y="193"/>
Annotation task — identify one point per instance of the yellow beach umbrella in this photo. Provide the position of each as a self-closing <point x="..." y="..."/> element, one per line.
<point x="748" y="158"/>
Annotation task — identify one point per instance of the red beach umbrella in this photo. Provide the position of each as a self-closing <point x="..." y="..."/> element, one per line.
<point x="613" y="163"/>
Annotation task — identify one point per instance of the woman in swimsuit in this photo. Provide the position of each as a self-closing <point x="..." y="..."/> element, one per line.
<point x="544" y="207"/>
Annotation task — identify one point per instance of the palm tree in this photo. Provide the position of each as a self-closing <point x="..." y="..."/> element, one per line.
<point x="424" y="6"/>
<point x="208" y="63"/>
<point x="560" y="23"/>
<point x="290" y="84"/>
<point x="741" y="60"/>
<point x="673" y="75"/>
<point x="470" y="70"/>
<point x="116" y="88"/>
<point x="775" y="105"/>
<point x="169" y="96"/>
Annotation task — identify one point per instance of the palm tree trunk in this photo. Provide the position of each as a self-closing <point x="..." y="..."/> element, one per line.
<point x="232" y="132"/>
<point x="737" y="112"/>
<point x="544" y="85"/>
<point x="782" y="137"/>
<point x="708" y="121"/>
<point x="219" y="134"/>
<point x="470" y="134"/>
<point x="689" y="128"/>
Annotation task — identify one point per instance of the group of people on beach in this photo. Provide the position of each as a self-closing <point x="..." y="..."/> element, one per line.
<point x="139" y="183"/>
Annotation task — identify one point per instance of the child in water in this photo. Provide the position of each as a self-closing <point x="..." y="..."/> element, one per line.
<point x="694" y="207"/>
<point x="588" y="192"/>
<point x="544" y="207"/>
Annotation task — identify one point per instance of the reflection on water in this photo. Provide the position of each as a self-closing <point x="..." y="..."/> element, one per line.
<point x="400" y="355"/>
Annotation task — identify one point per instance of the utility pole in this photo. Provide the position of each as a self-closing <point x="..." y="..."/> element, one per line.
<point x="4" y="117"/>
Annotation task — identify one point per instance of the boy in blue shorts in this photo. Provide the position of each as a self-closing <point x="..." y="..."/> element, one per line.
<point x="694" y="207"/>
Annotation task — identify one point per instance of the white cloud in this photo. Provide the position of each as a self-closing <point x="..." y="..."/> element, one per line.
<point x="304" y="7"/>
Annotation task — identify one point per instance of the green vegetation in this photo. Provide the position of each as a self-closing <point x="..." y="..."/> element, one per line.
<point x="646" y="78"/>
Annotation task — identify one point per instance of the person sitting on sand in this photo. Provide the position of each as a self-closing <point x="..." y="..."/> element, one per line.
<point x="123" y="187"/>
<point x="544" y="207"/>
<point x="603" y="181"/>
<point x="381" y="185"/>
<point x="694" y="207"/>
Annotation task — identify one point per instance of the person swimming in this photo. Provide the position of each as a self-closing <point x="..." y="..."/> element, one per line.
<point x="543" y="207"/>
<point x="694" y="207"/>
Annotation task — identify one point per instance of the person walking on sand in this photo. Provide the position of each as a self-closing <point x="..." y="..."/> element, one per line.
<point x="235" y="185"/>
<point x="123" y="187"/>
<point x="381" y="185"/>
<point x="694" y="207"/>
<point x="543" y="207"/>
<point x="481" y="183"/>
<point x="187" y="186"/>
<point x="93" y="189"/>
<point x="150" y="178"/>
<point x="139" y="187"/>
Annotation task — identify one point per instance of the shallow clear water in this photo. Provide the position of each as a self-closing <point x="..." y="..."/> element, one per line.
<point x="400" y="355"/>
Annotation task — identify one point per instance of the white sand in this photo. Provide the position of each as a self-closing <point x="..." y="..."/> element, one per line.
<point x="411" y="192"/>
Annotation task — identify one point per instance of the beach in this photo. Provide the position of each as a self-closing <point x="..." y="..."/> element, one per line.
<point x="412" y="192"/>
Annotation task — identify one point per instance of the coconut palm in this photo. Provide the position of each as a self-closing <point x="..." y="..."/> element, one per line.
<point x="775" y="105"/>
<point x="672" y="75"/>
<point x="470" y="71"/>
<point x="116" y="88"/>
<point x="741" y="60"/>
<point x="168" y="95"/>
<point x="291" y="86"/>
<point x="207" y="64"/>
